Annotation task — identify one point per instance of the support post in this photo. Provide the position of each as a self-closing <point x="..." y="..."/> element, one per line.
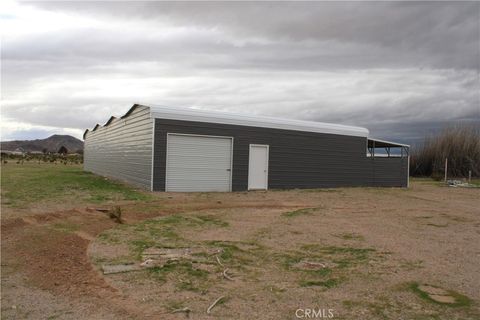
<point x="469" y="176"/>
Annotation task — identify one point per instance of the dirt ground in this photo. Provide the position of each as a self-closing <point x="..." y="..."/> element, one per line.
<point x="360" y="252"/>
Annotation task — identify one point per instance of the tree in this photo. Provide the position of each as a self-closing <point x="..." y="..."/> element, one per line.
<point x="62" y="150"/>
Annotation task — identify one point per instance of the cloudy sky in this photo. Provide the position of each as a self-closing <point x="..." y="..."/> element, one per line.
<point x="401" y="69"/>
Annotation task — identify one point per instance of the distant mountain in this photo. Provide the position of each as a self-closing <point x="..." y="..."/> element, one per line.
<point x="51" y="144"/>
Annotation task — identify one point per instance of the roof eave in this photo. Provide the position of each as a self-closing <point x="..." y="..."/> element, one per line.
<point x="253" y="121"/>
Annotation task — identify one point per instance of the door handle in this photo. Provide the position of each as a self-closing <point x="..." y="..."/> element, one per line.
<point x="229" y="169"/>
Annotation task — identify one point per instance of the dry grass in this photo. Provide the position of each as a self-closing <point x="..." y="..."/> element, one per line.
<point x="460" y="144"/>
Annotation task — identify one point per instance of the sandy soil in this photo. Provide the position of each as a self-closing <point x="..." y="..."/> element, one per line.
<point x="427" y="235"/>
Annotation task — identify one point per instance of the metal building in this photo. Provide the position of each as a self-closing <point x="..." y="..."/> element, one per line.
<point x="173" y="149"/>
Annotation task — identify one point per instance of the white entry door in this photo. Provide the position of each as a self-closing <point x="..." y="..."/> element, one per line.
<point x="198" y="163"/>
<point x="258" y="167"/>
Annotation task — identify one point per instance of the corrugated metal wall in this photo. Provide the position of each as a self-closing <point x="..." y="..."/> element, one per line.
<point x="389" y="172"/>
<point x="297" y="159"/>
<point x="123" y="149"/>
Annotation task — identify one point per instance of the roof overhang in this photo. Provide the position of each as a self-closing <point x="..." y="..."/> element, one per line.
<point x="377" y="143"/>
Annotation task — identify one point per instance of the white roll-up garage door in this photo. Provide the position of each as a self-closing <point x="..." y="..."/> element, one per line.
<point x="198" y="163"/>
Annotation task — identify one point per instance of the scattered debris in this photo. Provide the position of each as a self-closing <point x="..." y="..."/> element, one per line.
<point x="460" y="183"/>
<point x="116" y="214"/>
<point x="215" y="251"/>
<point x="186" y="310"/>
<point x="442" y="299"/>
<point x="219" y="262"/>
<point x="214" y="304"/>
<point x="309" y="265"/>
<point x="437" y="294"/>
<point x="159" y="257"/>
<point x="147" y="263"/>
<point x="226" y="275"/>
<point x="432" y="290"/>
<point x="120" y="268"/>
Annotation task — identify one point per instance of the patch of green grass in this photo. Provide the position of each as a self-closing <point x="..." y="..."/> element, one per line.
<point x="289" y="259"/>
<point x="343" y="257"/>
<point x="66" y="227"/>
<point x="323" y="272"/>
<point x="139" y="245"/>
<point x="160" y="273"/>
<point x="27" y="184"/>
<point x="229" y="249"/>
<point x="161" y="232"/>
<point x="460" y="299"/>
<point x="157" y="231"/>
<point x="185" y="276"/>
<point x="299" y="212"/>
<point x="329" y="283"/>
<point x="180" y="220"/>
<point x="109" y="237"/>
<point x="165" y="230"/>
<point x="310" y="277"/>
<point x="234" y="256"/>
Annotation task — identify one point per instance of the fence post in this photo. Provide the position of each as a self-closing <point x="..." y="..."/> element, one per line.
<point x="446" y="168"/>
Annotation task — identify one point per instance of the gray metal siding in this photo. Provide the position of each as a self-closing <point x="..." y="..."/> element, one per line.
<point x="389" y="172"/>
<point x="297" y="159"/>
<point x="123" y="149"/>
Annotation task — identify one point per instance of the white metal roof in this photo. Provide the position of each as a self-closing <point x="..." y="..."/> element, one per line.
<point x="188" y="114"/>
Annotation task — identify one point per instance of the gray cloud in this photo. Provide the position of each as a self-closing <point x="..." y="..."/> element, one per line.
<point x="384" y="65"/>
<point x="428" y="34"/>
